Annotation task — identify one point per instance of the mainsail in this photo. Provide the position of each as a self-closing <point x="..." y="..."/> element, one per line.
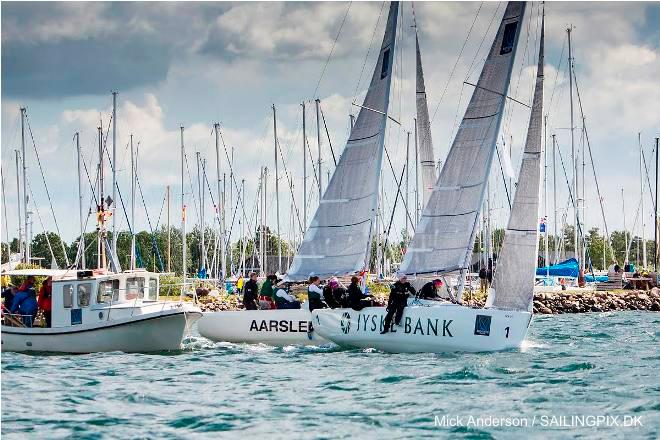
<point x="338" y="238"/>
<point x="444" y="236"/>
<point x="513" y="283"/>
<point x="424" y="132"/>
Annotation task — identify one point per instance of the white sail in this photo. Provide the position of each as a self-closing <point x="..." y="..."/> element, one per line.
<point x="424" y="132"/>
<point x="338" y="238"/>
<point x="513" y="283"/>
<point x="445" y="234"/>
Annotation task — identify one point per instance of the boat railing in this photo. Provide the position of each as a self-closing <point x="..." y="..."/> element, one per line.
<point x="17" y="320"/>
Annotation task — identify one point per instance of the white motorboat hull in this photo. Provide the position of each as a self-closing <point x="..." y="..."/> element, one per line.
<point x="437" y="328"/>
<point x="149" y="332"/>
<point x="271" y="327"/>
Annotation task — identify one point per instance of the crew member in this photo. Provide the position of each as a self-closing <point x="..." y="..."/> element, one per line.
<point x="483" y="280"/>
<point x="284" y="299"/>
<point x="356" y="299"/>
<point x="431" y="290"/>
<point x="251" y="293"/>
<point x="45" y="300"/>
<point x="267" y="292"/>
<point x="399" y="293"/>
<point x="25" y="301"/>
<point x="315" y="294"/>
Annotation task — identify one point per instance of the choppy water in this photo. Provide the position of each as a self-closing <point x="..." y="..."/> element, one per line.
<point x="572" y="365"/>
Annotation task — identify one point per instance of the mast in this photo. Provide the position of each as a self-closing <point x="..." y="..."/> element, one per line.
<point x="183" y="216"/>
<point x="265" y="232"/>
<point x="221" y="202"/>
<point x="203" y="227"/>
<point x="261" y="219"/>
<point x="417" y="207"/>
<point x="625" y="229"/>
<point x="554" y="195"/>
<point x="641" y="194"/>
<point x="573" y="156"/>
<point x="231" y="207"/>
<point x="169" y="234"/>
<point x="655" y="239"/>
<point x="545" y="193"/>
<point x="407" y="181"/>
<point x="114" y="173"/>
<point x="101" y="234"/>
<point x="242" y="195"/>
<point x="81" y="243"/>
<point x="224" y="227"/>
<point x="21" y="243"/>
<point x="133" y="171"/>
<point x="318" y="140"/>
<point x="277" y="196"/>
<point x="304" y="127"/>
<point x="25" y="195"/>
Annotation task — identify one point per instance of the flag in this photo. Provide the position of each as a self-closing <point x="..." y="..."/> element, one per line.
<point x="542" y="225"/>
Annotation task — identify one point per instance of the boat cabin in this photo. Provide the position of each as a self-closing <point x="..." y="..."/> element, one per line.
<point x="91" y="298"/>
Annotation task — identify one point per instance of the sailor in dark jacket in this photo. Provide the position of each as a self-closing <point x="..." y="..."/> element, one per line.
<point x="431" y="289"/>
<point x="356" y="299"/>
<point x="251" y="293"/>
<point x="399" y="294"/>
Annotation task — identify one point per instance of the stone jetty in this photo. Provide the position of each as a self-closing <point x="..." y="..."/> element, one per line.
<point x="596" y="301"/>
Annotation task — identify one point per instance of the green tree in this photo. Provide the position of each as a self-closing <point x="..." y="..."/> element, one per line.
<point x="39" y="248"/>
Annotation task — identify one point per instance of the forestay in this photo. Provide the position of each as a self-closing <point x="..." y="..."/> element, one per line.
<point x="444" y="236"/>
<point x="513" y="283"/>
<point x="424" y="132"/>
<point x="338" y="237"/>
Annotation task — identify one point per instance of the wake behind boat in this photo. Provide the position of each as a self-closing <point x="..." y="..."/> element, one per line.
<point x="95" y="311"/>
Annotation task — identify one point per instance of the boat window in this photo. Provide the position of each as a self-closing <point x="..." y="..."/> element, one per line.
<point x="153" y="289"/>
<point x="108" y="292"/>
<point x="67" y="296"/>
<point x="84" y="291"/>
<point x="134" y="288"/>
<point x="509" y="38"/>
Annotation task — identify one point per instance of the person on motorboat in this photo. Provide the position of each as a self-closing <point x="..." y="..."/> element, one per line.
<point x="284" y="299"/>
<point x="25" y="301"/>
<point x="251" y="293"/>
<point x="357" y="300"/>
<point x="8" y="293"/>
<point x="45" y="299"/>
<point x="431" y="290"/>
<point x="399" y="293"/>
<point x="315" y="294"/>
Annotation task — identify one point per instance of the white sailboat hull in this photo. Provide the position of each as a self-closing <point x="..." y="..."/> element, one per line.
<point x="271" y="327"/>
<point x="149" y="332"/>
<point x="437" y="328"/>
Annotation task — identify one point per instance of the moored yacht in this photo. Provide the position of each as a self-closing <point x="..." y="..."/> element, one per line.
<point x="97" y="311"/>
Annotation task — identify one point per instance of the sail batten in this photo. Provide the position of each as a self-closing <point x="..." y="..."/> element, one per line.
<point x="513" y="281"/>
<point x="424" y="131"/>
<point x="445" y="234"/>
<point x="337" y="240"/>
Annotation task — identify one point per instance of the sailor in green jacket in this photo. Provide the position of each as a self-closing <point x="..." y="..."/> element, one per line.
<point x="267" y="288"/>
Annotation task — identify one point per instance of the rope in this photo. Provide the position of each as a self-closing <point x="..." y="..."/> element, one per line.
<point x="43" y="177"/>
<point x="327" y="61"/>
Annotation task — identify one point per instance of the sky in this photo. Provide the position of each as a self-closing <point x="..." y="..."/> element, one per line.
<point x="194" y="64"/>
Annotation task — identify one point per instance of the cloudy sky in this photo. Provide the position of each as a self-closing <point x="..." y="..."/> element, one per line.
<point x="193" y="64"/>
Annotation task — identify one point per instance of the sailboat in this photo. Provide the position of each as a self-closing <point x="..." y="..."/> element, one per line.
<point x="338" y="239"/>
<point x="446" y="231"/>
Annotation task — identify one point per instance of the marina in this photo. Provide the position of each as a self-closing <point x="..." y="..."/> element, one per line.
<point x="391" y="250"/>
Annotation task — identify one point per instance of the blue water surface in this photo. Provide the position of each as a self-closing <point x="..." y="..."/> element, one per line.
<point x="589" y="365"/>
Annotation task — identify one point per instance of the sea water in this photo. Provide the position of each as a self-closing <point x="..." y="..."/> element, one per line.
<point x="590" y="375"/>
